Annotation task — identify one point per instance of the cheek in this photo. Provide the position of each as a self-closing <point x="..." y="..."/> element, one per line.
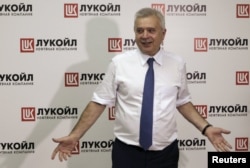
<point x="159" y="39"/>
<point x="137" y="37"/>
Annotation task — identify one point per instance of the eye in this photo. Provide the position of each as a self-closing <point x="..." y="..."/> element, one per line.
<point x="151" y="30"/>
<point x="139" y="30"/>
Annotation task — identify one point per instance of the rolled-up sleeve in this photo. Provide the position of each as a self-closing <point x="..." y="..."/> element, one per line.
<point x="105" y="93"/>
<point x="183" y="96"/>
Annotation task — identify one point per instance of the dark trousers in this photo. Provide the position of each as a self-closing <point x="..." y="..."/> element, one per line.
<point x="128" y="156"/>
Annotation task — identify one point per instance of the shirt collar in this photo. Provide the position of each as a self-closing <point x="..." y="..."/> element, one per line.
<point x="157" y="57"/>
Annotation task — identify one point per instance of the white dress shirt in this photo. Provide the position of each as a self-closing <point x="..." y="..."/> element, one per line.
<point x="122" y="87"/>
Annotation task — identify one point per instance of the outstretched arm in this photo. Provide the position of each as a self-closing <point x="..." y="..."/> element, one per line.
<point x="87" y="119"/>
<point x="67" y="144"/>
<point x="214" y="134"/>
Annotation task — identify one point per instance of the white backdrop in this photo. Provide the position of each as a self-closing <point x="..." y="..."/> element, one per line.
<point x="54" y="53"/>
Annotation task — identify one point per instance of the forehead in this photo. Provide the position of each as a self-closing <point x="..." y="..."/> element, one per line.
<point x="144" y="22"/>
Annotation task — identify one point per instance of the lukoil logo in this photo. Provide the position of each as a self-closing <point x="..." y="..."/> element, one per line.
<point x="159" y="7"/>
<point x="28" y="113"/>
<point x="200" y="44"/>
<point x="241" y="144"/>
<point x="111" y="113"/>
<point x="27" y="45"/>
<point x="242" y="78"/>
<point x="71" y="79"/>
<point x="71" y="10"/>
<point x="202" y="109"/>
<point x="76" y="150"/>
<point x="115" y="44"/>
<point x="243" y="10"/>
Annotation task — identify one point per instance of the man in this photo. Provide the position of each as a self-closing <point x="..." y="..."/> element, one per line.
<point x="123" y="87"/>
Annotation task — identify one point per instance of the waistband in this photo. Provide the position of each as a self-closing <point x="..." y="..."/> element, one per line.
<point x="175" y="142"/>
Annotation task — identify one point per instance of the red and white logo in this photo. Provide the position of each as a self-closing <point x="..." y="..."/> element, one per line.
<point x="76" y="150"/>
<point x="115" y="44"/>
<point x="112" y="113"/>
<point x="202" y="109"/>
<point x="200" y="44"/>
<point x="71" y="10"/>
<point x="28" y="113"/>
<point x="243" y="10"/>
<point x="242" y="78"/>
<point x="241" y="144"/>
<point x="27" y="45"/>
<point x="159" y="7"/>
<point x="71" y="79"/>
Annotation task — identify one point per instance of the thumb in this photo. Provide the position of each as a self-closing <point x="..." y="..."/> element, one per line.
<point x="57" y="140"/>
<point x="225" y="131"/>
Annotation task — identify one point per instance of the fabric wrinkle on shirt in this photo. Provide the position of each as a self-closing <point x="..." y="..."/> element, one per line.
<point x="122" y="87"/>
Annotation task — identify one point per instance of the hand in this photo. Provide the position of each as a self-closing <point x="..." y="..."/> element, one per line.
<point x="214" y="135"/>
<point x="65" y="147"/>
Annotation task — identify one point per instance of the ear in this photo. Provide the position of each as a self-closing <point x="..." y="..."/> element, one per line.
<point x="164" y="32"/>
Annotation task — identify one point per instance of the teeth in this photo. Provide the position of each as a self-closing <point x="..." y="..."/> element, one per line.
<point x="145" y="41"/>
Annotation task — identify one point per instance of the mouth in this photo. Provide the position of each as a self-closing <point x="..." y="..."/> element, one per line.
<point x="146" y="42"/>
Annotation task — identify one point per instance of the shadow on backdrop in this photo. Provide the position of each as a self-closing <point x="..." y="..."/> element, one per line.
<point x="97" y="31"/>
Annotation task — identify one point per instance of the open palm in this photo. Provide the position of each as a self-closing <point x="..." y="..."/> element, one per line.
<point x="65" y="147"/>
<point x="214" y="134"/>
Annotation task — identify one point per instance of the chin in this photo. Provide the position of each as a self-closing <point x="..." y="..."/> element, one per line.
<point x="147" y="51"/>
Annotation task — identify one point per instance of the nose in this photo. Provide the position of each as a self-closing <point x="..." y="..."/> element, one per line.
<point x="145" y="34"/>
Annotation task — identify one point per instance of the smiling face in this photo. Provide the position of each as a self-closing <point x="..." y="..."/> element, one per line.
<point x="149" y="34"/>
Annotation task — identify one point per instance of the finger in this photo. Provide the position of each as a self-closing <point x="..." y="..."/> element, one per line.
<point x="60" y="157"/>
<point x="223" y="147"/>
<point x="65" y="156"/>
<point x="69" y="154"/>
<point x="228" y="145"/>
<point x="217" y="147"/>
<point x="54" y="154"/>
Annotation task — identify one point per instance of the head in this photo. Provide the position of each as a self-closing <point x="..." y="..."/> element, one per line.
<point x="149" y="28"/>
